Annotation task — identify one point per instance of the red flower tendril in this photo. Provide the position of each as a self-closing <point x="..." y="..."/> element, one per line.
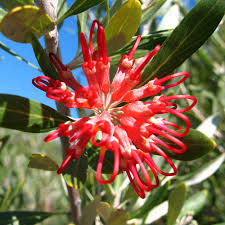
<point x="132" y="131"/>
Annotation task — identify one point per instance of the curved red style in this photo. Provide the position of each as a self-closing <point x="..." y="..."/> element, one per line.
<point x="133" y="131"/>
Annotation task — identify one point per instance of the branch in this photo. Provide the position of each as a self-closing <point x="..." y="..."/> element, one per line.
<point x="52" y="45"/>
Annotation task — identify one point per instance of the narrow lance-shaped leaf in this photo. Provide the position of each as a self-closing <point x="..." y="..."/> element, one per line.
<point x="193" y="31"/>
<point x="24" y="217"/>
<point x="208" y="127"/>
<point x="61" y="10"/>
<point x="197" y="144"/>
<point x="150" y="11"/>
<point x="79" y="6"/>
<point x="27" y="115"/>
<point x="176" y="201"/>
<point x="156" y="198"/>
<point x="205" y="171"/>
<point x="195" y="203"/>
<point x="157" y="212"/>
<point x="43" y="60"/>
<point x="123" y="25"/>
<point x="5" y="48"/>
<point x="11" y="195"/>
<point x="21" y="22"/>
<point x="148" y="42"/>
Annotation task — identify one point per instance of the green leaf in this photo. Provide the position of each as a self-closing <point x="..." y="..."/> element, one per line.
<point x="89" y="213"/>
<point x="193" y="31"/>
<point x="219" y="224"/>
<point x="82" y="20"/>
<point x="207" y="170"/>
<point x="23" y="217"/>
<point x="150" y="11"/>
<point x="8" y="5"/>
<point x="43" y="60"/>
<point x="176" y="202"/>
<point x="118" y="216"/>
<point x="79" y="6"/>
<point x="3" y="205"/>
<point x="197" y="144"/>
<point x="157" y="212"/>
<point x="2" y="14"/>
<point x="148" y="42"/>
<point x="209" y="126"/>
<point x="3" y="142"/>
<point x="195" y="203"/>
<point x="104" y="210"/>
<point x="112" y="216"/>
<point x="5" y="48"/>
<point x="27" y="115"/>
<point x="40" y="161"/>
<point x="123" y="25"/>
<point x="156" y="197"/>
<point x="93" y="156"/>
<point x="76" y="172"/>
<point x="61" y="9"/>
<point x="10" y="195"/>
<point x="115" y="6"/>
<point x="21" y="22"/>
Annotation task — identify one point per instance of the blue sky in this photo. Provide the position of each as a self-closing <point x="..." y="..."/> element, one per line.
<point x="16" y="76"/>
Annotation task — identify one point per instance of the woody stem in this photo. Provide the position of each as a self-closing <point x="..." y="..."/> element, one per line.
<point x="52" y="45"/>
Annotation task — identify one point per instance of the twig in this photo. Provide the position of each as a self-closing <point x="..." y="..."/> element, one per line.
<point x="52" y="45"/>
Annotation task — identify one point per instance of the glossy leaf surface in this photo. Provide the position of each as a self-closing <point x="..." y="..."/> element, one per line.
<point x="21" y="22"/>
<point x="79" y="6"/>
<point x="123" y="25"/>
<point x="43" y="60"/>
<point x="197" y="144"/>
<point x="193" y="31"/>
<point x="27" y="115"/>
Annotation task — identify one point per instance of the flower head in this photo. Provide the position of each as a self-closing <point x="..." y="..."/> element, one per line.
<point x="130" y="128"/>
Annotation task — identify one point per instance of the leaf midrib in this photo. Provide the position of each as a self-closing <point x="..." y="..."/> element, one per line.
<point x="181" y="43"/>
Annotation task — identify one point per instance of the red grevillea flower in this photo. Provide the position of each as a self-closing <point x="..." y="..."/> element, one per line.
<point x="132" y="131"/>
